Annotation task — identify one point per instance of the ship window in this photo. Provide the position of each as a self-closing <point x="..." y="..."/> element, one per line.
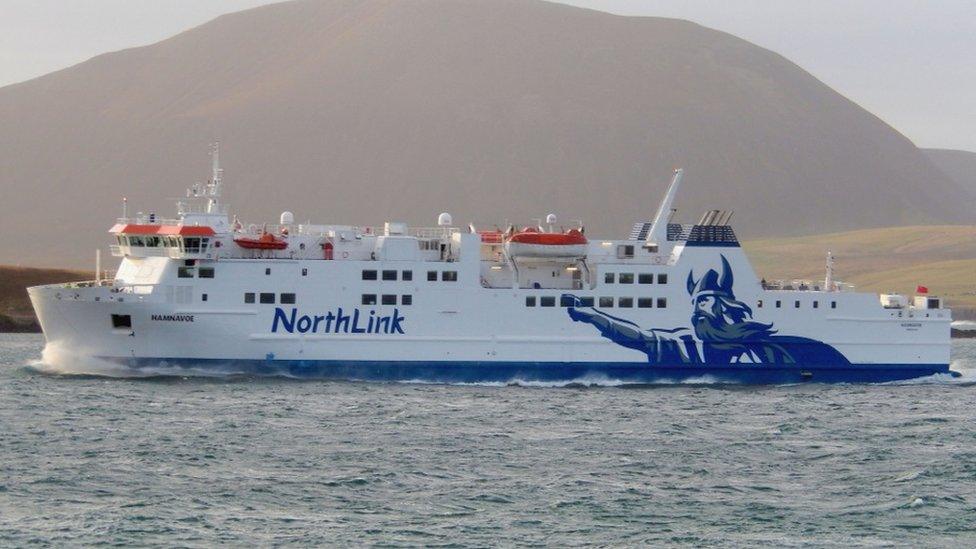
<point x="796" y="304"/>
<point x="249" y="297"/>
<point x="406" y="275"/>
<point x="184" y="272"/>
<point x="662" y="302"/>
<point x="449" y="276"/>
<point x="759" y="304"/>
<point x="645" y="278"/>
<point x="779" y="304"/>
<point x="625" y="302"/>
<point x="833" y="304"/>
<point x="304" y="272"/>
<point x="267" y="271"/>
<point x="606" y="302"/>
<point x="547" y="301"/>
<point x="816" y="304"/>
<point x="608" y="278"/>
<point x="369" y="275"/>
<point x="625" y="252"/>
<point x="406" y="299"/>
<point x="566" y="301"/>
<point x="267" y="298"/>
<point x="192" y="245"/>
<point x="369" y="299"/>
<point x="389" y="275"/>
<point x="121" y="321"/>
<point x="662" y="278"/>
<point x="203" y="297"/>
<point x="645" y="302"/>
<point x="626" y="278"/>
<point x="389" y="299"/>
<point x="287" y="299"/>
<point x="431" y="276"/>
<point x="586" y="301"/>
<point x="206" y="272"/>
<point x="530" y="301"/>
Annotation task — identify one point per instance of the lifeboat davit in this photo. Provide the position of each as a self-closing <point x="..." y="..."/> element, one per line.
<point x="531" y="242"/>
<point x="266" y="241"/>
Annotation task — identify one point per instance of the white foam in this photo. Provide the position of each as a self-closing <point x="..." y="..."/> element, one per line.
<point x="964" y="324"/>
<point x="57" y="360"/>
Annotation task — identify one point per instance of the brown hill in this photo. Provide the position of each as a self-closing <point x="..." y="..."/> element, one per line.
<point x="16" y="314"/>
<point x="960" y="166"/>
<point x="367" y="110"/>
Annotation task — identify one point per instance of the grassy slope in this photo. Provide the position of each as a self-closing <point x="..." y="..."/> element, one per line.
<point x="14" y="280"/>
<point x="892" y="259"/>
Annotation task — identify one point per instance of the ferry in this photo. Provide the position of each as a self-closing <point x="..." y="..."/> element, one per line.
<point x="530" y="302"/>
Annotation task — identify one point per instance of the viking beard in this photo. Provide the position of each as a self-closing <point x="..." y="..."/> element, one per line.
<point x="715" y="329"/>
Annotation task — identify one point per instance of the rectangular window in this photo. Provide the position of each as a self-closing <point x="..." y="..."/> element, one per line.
<point x="547" y="301"/>
<point x="267" y="298"/>
<point x="184" y="272"/>
<point x="645" y="302"/>
<point x="779" y="304"/>
<point x="304" y="272"/>
<point x="608" y="278"/>
<point x="662" y="303"/>
<point x="625" y="251"/>
<point x="249" y="297"/>
<point x="626" y="278"/>
<point x="206" y="272"/>
<point x="406" y="299"/>
<point x="796" y="304"/>
<point x="389" y="299"/>
<point x="606" y="302"/>
<point x="449" y="276"/>
<point x="816" y="304"/>
<point x="530" y="301"/>
<point x="406" y="276"/>
<point x="287" y="299"/>
<point x="833" y="304"/>
<point x="625" y="302"/>
<point x="431" y="276"/>
<point x="645" y="278"/>
<point x="203" y="297"/>
<point x="369" y="299"/>
<point x="267" y="271"/>
<point x="566" y="301"/>
<point x="759" y="304"/>
<point x="662" y="278"/>
<point x="586" y="301"/>
<point x="389" y="275"/>
<point x="121" y="321"/>
<point x="369" y="275"/>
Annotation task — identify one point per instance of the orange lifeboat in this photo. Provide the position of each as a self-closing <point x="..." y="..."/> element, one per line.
<point x="531" y="242"/>
<point x="266" y="241"/>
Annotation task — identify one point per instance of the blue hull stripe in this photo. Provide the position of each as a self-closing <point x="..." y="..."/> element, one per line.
<point x="493" y="372"/>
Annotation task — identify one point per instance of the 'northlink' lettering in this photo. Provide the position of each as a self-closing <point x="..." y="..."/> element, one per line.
<point x="355" y="321"/>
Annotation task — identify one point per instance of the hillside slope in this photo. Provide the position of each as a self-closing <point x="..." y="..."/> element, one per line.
<point x="960" y="166"/>
<point x="360" y="111"/>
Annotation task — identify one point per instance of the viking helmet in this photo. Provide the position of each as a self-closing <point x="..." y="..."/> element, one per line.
<point x="712" y="283"/>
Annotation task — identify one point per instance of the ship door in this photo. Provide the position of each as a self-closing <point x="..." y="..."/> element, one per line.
<point x="327" y="250"/>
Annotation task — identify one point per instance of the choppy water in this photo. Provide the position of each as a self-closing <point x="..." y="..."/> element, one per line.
<point x="202" y="462"/>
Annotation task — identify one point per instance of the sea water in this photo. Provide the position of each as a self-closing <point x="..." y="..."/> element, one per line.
<point x="181" y="460"/>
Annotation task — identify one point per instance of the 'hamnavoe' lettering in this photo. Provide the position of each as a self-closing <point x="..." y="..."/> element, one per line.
<point x="337" y="322"/>
<point x="172" y="318"/>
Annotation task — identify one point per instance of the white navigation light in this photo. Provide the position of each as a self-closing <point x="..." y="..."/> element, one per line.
<point x="444" y="220"/>
<point x="551" y="219"/>
<point x="287" y="218"/>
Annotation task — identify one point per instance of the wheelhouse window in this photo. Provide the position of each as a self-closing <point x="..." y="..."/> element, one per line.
<point x="267" y="298"/>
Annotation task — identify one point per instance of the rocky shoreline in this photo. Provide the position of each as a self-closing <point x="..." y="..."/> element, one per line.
<point x="14" y="325"/>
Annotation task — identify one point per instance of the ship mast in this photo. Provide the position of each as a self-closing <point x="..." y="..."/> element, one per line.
<point x="213" y="187"/>
<point x="829" y="278"/>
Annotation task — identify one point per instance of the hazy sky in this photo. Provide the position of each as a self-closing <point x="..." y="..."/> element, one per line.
<point x="911" y="62"/>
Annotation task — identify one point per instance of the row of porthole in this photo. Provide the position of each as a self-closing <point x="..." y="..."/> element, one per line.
<point x="387" y="299"/>
<point x="603" y="302"/>
<point x="796" y="304"/>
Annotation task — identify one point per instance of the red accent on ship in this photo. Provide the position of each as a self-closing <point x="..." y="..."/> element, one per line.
<point x="491" y="237"/>
<point x="530" y="235"/>
<point x="164" y="230"/>
<point x="266" y="241"/>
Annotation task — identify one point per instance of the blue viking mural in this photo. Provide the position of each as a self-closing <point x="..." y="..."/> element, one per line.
<point x="722" y="331"/>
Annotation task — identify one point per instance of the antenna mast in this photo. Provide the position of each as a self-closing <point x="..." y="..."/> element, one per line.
<point x="829" y="278"/>
<point x="213" y="188"/>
